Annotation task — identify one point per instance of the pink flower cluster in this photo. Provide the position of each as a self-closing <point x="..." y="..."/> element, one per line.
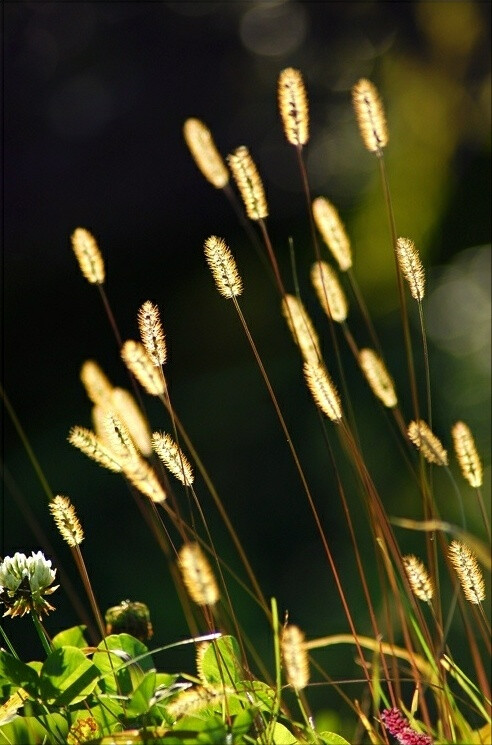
<point x="398" y="726"/>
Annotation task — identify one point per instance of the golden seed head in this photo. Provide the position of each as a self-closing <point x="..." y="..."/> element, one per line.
<point x="198" y="698"/>
<point x="333" y="232"/>
<point x="370" y="116"/>
<point x="95" y="382"/>
<point x="143" y="477"/>
<point x="151" y="333"/>
<point x="118" y="438"/>
<point x="293" y="106"/>
<point x="418" y="577"/>
<point x="86" y="441"/>
<point x="301" y="328"/>
<point x="323" y="390"/>
<point x="205" y="154"/>
<point x="249" y="183"/>
<point x="130" y="413"/>
<point x="329" y="291"/>
<point x="468" y="571"/>
<point x="295" y="656"/>
<point x="223" y="267"/>
<point x="411" y="267"/>
<point x="137" y="360"/>
<point x="466" y="453"/>
<point x="173" y="457"/>
<point x="88" y="255"/>
<point x="197" y="575"/>
<point x="66" y="520"/>
<point x="378" y="377"/>
<point x="429" y="445"/>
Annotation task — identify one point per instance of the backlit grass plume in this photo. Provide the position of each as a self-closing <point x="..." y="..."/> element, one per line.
<point x="378" y="377"/>
<point x="92" y="446"/>
<point x="295" y="657"/>
<point x="370" y="115"/>
<point x="88" y="255"/>
<point x="323" y="390"/>
<point x="249" y="183"/>
<point x="467" y="455"/>
<point x="139" y="363"/>
<point x="205" y="154"/>
<point x="223" y="267"/>
<point x="419" y="579"/>
<point x="411" y="267"/>
<point x="293" y="106"/>
<point x="173" y="457"/>
<point x="426" y="441"/>
<point x="197" y="575"/>
<point x="95" y="382"/>
<point x="329" y="291"/>
<point x="301" y="328"/>
<point x="468" y="571"/>
<point x="66" y="520"/>
<point x="152" y="333"/>
<point x="333" y="232"/>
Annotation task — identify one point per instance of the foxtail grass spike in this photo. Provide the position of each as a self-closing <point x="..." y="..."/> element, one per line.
<point x="293" y="106"/>
<point x="66" y="520"/>
<point x="139" y="363"/>
<point x="88" y="255"/>
<point x="151" y="333"/>
<point x="467" y="455"/>
<point x="86" y="441"/>
<point x="118" y="438"/>
<point x="249" y="183"/>
<point x="323" y="390"/>
<point x="378" y="377"/>
<point x="333" y="232"/>
<point x="205" y="154"/>
<point x="329" y="291"/>
<point x="301" y="328"/>
<point x="95" y="382"/>
<point x="223" y="267"/>
<point x="142" y="476"/>
<point x="130" y="413"/>
<point x="411" y="267"/>
<point x="419" y="579"/>
<point x="295" y="657"/>
<point x="173" y="457"/>
<point x="429" y="445"/>
<point x="370" y="116"/>
<point x="197" y="575"/>
<point x="468" y="571"/>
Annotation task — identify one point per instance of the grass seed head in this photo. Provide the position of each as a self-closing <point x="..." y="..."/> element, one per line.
<point x="333" y="232"/>
<point x="173" y="457"/>
<point x="466" y="453"/>
<point x="223" y="267"/>
<point x="329" y="291"/>
<point x="197" y="575"/>
<point x="142" y="476"/>
<point x="66" y="520"/>
<point x="468" y="571"/>
<point x="92" y="446"/>
<point x="95" y="382"/>
<point x="88" y="255"/>
<point x="293" y="106"/>
<point x="419" y="579"/>
<point x="295" y="657"/>
<point x="249" y="183"/>
<point x="323" y="390"/>
<point x="370" y="116"/>
<point x="378" y="377"/>
<point x="301" y="328"/>
<point x="139" y="363"/>
<point x="429" y="445"/>
<point x="205" y="154"/>
<point x="411" y="267"/>
<point x="151" y="333"/>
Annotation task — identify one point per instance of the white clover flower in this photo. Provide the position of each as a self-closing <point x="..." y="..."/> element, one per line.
<point x="23" y="582"/>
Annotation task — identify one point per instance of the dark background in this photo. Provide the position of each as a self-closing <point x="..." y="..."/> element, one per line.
<point x="95" y="96"/>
